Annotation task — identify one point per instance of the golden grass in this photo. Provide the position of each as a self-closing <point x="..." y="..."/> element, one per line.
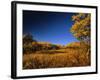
<point x="57" y="58"/>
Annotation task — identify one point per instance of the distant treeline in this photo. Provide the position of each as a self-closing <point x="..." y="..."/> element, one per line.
<point x="30" y="45"/>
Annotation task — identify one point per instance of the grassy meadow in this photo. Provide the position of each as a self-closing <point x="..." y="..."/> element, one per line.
<point x="66" y="56"/>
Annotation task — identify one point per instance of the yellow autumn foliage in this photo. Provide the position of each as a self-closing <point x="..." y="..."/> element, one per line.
<point x="81" y="26"/>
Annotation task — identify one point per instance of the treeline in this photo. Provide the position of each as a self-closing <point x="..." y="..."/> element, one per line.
<point x="31" y="45"/>
<point x="80" y="44"/>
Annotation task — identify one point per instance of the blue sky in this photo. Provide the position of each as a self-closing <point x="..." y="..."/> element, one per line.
<point x="53" y="27"/>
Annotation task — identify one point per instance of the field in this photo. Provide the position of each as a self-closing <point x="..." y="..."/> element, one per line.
<point x="64" y="57"/>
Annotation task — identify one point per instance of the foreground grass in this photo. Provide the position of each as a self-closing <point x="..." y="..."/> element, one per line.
<point x="68" y="57"/>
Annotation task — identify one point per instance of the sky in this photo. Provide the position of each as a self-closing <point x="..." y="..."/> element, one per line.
<point x="53" y="27"/>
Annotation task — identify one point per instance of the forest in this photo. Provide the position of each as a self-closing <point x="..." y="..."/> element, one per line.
<point x="37" y="55"/>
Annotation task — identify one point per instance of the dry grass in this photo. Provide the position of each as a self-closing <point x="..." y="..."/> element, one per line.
<point x="68" y="57"/>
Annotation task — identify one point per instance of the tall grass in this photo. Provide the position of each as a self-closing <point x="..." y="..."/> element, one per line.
<point x="68" y="57"/>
